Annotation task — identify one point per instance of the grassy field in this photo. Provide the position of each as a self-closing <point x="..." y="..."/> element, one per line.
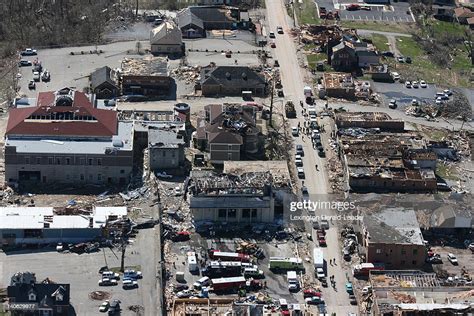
<point x="446" y="172"/>
<point x="380" y="41"/>
<point x="423" y="68"/>
<point x="379" y="26"/>
<point x="313" y="59"/>
<point x="306" y="12"/>
<point x="441" y="27"/>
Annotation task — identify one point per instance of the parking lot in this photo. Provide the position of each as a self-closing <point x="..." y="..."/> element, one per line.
<point x="81" y="272"/>
<point x="403" y="95"/>
<point x="395" y="12"/>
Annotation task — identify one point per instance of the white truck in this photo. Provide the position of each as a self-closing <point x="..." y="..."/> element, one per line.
<point x="308" y="92"/>
<point x="293" y="283"/>
<point x="192" y="262"/>
<point x="318" y="258"/>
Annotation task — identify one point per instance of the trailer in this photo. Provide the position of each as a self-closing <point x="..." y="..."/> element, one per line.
<point x="218" y="269"/>
<point x="192" y="262"/>
<point x="224" y="284"/>
<point x="229" y="256"/>
<point x="318" y="258"/>
<point x="280" y="263"/>
<point x="364" y="269"/>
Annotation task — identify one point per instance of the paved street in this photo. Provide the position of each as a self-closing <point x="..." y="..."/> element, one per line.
<point x="293" y="80"/>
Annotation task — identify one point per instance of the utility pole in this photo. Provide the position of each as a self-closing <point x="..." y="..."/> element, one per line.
<point x="271" y="103"/>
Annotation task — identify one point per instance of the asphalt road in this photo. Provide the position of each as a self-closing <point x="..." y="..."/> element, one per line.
<point x="293" y="80"/>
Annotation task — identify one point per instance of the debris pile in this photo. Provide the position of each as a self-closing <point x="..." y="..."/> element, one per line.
<point x="99" y="295"/>
<point x="189" y="74"/>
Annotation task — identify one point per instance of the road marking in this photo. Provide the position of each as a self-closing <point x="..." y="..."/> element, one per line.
<point x="360" y="18"/>
<point x="394" y="19"/>
<point x="366" y="17"/>
<point x="353" y="17"/>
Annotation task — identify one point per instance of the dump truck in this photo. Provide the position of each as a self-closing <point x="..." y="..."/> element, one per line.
<point x="290" y="111"/>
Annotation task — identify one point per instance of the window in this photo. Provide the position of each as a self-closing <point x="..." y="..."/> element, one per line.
<point x="68" y="177"/>
<point x="415" y="251"/>
<point x="402" y="262"/>
<point x="246" y="213"/>
<point x="68" y="161"/>
<point x="413" y="262"/>
<point x="82" y="161"/>
<point x="99" y="161"/>
<point x="90" y="161"/>
<point x="254" y="213"/>
<point x="99" y="177"/>
<point x="222" y="213"/>
<point x="164" y="153"/>
<point x="173" y="154"/>
<point x="404" y="252"/>
<point x="38" y="160"/>
<point x="90" y="177"/>
<point x="229" y="147"/>
<point x="232" y="213"/>
<point x="50" y="160"/>
<point x="27" y="160"/>
<point x="58" y="161"/>
<point x="122" y="171"/>
<point x="82" y="177"/>
<point x="378" y="251"/>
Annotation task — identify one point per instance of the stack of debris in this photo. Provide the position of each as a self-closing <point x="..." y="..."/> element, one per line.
<point x="187" y="73"/>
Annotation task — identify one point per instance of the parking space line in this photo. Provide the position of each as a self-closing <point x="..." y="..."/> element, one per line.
<point x="394" y="19"/>
<point x="353" y="17"/>
<point x="366" y="17"/>
<point x="360" y="18"/>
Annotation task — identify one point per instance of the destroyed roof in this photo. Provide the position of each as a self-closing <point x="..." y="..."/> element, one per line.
<point x="236" y="76"/>
<point x="101" y="76"/>
<point x="397" y="226"/>
<point x="166" y="34"/>
<point x="65" y="112"/>
<point x="278" y="168"/>
<point x="225" y="201"/>
<point x="163" y="138"/>
<point x="147" y="66"/>
<point x="212" y="14"/>
<point x="432" y="307"/>
<point x="407" y="279"/>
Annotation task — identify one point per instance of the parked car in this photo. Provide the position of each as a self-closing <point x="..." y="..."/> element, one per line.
<point x="279" y="30"/>
<point x="401" y="59"/>
<point x="321" y="152"/>
<point x="36" y="76"/>
<point x="408" y="60"/>
<point x="107" y="282"/>
<point x="423" y="84"/>
<point x="352" y="299"/>
<point x="298" y="161"/>
<point x="320" y="274"/>
<point x="104" y="306"/>
<point x="395" y="76"/>
<point x="271" y="35"/>
<point x="388" y="54"/>
<point x="448" y="92"/>
<point x="366" y="289"/>
<point x="324" y="224"/>
<point x="435" y="259"/>
<point x="177" y="191"/>
<point x="315" y="300"/>
<point x="415" y="102"/>
<point x="304" y="191"/>
<point x="366" y="8"/>
<point x="392" y="104"/>
<point x="45" y="76"/>
<point x="349" y="288"/>
<point x="132" y="274"/>
<point x="300" y="150"/>
<point x="407" y="84"/>
<point x="29" y="52"/>
<point x="273" y="44"/>
<point x="353" y="7"/>
<point x="300" y="172"/>
<point x="114" y="307"/>
<point x="452" y="258"/>
<point x="24" y="63"/>
<point x="129" y="284"/>
<point x="294" y="131"/>
<point x="276" y="63"/>
<point x="414" y="84"/>
<point x="311" y="293"/>
<point x="110" y="275"/>
<point x="184" y="294"/>
<point x="32" y="85"/>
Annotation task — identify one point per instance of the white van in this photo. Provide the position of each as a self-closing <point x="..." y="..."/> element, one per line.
<point x="204" y="281"/>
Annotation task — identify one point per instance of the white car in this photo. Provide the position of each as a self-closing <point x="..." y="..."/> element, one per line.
<point x="110" y="275"/>
<point x="294" y="131"/>
<point x="452" y="258"/>
<point x="107" y="282"/>
<point x="298" y="161"/>
<point x="408" y="84"/>
<point x="423" y="84"/>
<point x="448" y="92"/>
<point x="300" y="172"/>
<point x="36" y="76"/>
<point x="184" y="294"/>
<point x="104" y="306"/>
<point x="415" y="102"/>
<point x="320" y="273"/>
<point x="129" y="284"/>
<point x="178" y="191"/>
<point x="395" y="76"/>
<point x="132" y="274"/>
<point x="414" y="84"/>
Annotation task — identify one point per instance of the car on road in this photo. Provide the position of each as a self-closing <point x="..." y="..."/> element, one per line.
<point x="316" y="225"/>
<point x="298" y="161"/>
<point x="320" y="273"/>
<point x="104" y="306"/>
<point x="324" y="282"/>
<point x="423" y="84"/>
<point x="107" y="282"/>
<point x="24" y="63"/>
<point x="271" y="35"/>
<point x="315" y="300"/>
<point x="279" y="30"/>
<point x="36" y="76"/>
<point x="414" y="84"/>
<point x="300" y="150"/>
<point x="352" y="299"/>
<point x="401" y="59"/>
<point x="408" y="84"/>
<point x="353" y="7"/>
<point x="321" y="152"/>
<point x="129" y="284"/>
<point x="349" y="288"/>
<point x="300" y="172"/>
<point x="295" y="131"/>
<point x="304" y="191"/>
<point x="322" y="242"/>
<point x="29" y="52"/>
<point x="324" y="224"/>
<point x="273" y="44"/>
<point x="452" y="258"/>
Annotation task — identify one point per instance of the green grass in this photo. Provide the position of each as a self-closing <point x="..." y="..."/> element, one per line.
<point x="306" y="12"/>
<point x="441" y="27"/>
<point x="446" y="172"/>
<point x="379" y="26"/>
<point x="380" y="41"/>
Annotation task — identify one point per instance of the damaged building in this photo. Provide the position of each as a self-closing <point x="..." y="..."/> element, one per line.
<point x="63" y="138"/>
<point x="147" y="76"/>
<point x="338" y="85"/>
<point x="49" y="225"/>
<point x="377" y="161"/>
<point x="166" y="148"/>
<point x="242" y="194"/>
<point x="228" y="132"/>
<point x="378" y="120"/>
<point x="407" y="293"/>
<point x="393" y="237"/>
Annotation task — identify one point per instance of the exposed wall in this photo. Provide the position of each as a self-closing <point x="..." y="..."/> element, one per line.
<point x="223" y="152"/>
<point x="166" y="158"/>
<point x="396" y="256"/>
<point x="48" y="235"/>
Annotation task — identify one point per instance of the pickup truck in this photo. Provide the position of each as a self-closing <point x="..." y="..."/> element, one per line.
<point x="29" y="52"/>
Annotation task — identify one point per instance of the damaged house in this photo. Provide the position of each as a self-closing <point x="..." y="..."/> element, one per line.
<point x="228" y="132"/>
<point x="242" y="194"/>
<point x="146" y="76"/>
<point x="166" y="148"/>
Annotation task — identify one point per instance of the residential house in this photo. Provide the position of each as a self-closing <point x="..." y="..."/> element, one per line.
<point x="194" y="21"/>
<point x="103" y="84"/>
<point x="462" y="14"/>
<point x="393" y="237"/>
<point x="228" y="132"/>
<point x="147" y="76"/>
<point x="63" y="138"/>
<point x="231" y="81"/>
<point x="344" y="57"/>
<point x="45" y="298"/>
<point x="166" y="39"/>
<point x="166" y="148"/>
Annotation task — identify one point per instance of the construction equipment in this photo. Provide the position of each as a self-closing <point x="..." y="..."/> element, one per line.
<point x="290" y="111"/>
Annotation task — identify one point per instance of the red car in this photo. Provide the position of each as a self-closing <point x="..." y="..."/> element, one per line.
<point x="322" y="232"/>
<point x="273" y="45"/>
<point x="353" y="7"/>
<point x="311" y="293"/>
<point x="322" y="242"/>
